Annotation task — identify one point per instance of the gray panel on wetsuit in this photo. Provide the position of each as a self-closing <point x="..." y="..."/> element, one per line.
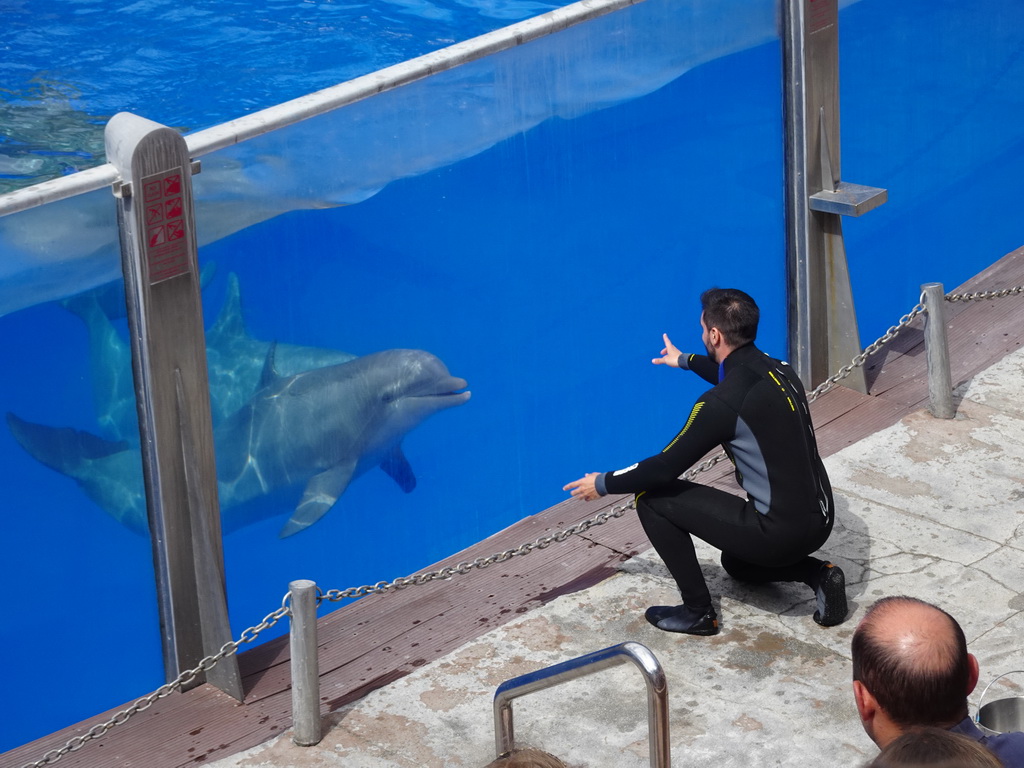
<point x="752" y="467"/>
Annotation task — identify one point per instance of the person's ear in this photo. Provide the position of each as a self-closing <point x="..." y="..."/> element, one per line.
<point x="867" y="705"/>
<point x="972" y="673"/>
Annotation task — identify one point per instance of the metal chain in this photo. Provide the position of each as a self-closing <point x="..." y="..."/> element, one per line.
<point x="463" y="568"/>
<point x="860" y="359"/>
<point x="382" y="587"/>
<point x="184" y="678"/>
<point x="888" y="336"/>
<point x="953" y="297"/>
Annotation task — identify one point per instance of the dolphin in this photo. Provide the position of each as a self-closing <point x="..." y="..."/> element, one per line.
<point x="324" y="428"/>
<point x="319" y="429"/>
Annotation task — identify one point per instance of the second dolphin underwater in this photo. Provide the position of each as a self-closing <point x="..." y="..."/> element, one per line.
<point x="317" y="423"/>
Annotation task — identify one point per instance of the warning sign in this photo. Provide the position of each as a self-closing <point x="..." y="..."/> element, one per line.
<point x="164" y="216"/>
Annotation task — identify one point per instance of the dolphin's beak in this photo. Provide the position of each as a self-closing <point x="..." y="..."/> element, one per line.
<point x="451" y="390"/>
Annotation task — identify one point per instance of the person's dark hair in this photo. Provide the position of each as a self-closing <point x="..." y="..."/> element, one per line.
<point x="732" y="312"/>
<point x="935" y="748"/>
<point x="913" y="691"/>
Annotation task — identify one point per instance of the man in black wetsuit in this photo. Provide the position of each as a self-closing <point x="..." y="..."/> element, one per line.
<point x="758" y="412"/>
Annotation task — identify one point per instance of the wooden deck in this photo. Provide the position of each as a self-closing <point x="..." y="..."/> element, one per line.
<point x="380" y="639"/>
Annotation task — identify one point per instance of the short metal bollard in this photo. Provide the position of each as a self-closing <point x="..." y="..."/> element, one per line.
<point x="940" y="380"/>
<point x="305" y="664"/>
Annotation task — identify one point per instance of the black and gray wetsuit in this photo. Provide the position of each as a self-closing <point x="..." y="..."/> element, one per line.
<point x="758" y="412"/>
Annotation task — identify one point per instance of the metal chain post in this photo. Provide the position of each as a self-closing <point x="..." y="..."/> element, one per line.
<point x="305" y="664"/>
<point x="936" y="348"/>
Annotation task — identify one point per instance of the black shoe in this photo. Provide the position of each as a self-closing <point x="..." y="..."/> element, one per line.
<point x="679" y="618"/>
<point x="831" y="594"/>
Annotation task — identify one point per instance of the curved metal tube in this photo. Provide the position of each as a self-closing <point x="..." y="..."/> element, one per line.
<point x="639" y="655"/>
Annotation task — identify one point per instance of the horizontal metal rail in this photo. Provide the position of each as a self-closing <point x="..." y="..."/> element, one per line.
<point x="290" y="112"/>
<point x="639" y="655"/>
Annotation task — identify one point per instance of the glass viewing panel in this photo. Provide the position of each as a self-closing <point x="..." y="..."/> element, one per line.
<point x="533" y="222"/>
<point x="83" y="630"/>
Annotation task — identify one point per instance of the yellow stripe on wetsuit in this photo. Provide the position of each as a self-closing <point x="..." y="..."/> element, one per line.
<point x="693" y="415"/>
<point x="784" y="391"/>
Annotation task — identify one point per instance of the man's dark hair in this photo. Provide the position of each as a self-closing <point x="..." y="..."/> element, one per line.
<point x="923" y="688"/>
<point x="732" y="312"/>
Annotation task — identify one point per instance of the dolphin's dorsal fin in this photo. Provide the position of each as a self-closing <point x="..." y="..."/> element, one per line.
<point x="397" y="467"/>
<point x="322" y="491"/>
<point x="229" y="322"/>
<point x="269" y="374"/>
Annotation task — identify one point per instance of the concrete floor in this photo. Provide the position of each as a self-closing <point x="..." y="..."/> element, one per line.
<point x="928" y="508"/>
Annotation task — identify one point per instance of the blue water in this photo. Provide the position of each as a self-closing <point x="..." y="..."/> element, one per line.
<point x="543" y="270"/>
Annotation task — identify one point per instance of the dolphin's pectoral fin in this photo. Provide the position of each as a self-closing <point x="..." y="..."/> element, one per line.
<point x="322" y="491"/>
<point x="398" y="469"/>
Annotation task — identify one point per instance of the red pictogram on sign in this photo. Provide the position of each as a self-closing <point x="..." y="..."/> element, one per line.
<point x="166" y="244"/>
<point x="152" y="191"/>
<point x="175" y="230"/>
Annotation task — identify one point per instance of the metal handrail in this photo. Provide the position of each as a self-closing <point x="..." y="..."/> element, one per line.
<point x="250" y="126"/>
<point x="638" y="654"/>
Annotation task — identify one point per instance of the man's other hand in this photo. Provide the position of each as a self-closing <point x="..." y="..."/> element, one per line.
<point x="584" y="487"/>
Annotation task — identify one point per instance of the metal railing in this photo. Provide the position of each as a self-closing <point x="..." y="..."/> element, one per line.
<point x="639" y="655"/>
<point x="291" y="112"/>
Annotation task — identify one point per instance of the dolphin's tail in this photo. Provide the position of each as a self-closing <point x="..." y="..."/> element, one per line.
<point x="61" y="448"/>
<point x="109" y="472"/>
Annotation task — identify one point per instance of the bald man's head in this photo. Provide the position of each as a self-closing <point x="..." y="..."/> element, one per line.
<point x="912" y="657"/>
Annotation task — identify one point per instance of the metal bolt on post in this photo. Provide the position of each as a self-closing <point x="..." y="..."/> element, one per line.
<point x="305" y="664"/>
<point x="940" y="380"/>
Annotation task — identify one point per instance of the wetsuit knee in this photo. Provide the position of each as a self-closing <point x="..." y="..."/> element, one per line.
<point x="739" y="569"/>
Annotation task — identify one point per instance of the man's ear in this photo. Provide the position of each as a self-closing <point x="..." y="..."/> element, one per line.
<point x="972" y="672"/>
<point x="867" y="706"/>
